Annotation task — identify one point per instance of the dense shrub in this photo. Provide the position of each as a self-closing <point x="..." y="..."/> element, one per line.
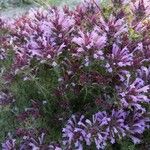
<point x="90" y="66"/>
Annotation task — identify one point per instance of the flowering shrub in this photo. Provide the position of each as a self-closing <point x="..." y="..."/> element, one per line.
<point x="91" y="63"/>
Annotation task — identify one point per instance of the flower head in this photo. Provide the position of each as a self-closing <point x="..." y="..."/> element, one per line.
<point x="120" y="57"/>
<point x="9" y="144"/>
<point x="134" y="94"/>
<point x="73" y="134"/>
<point x="137" y="123"/>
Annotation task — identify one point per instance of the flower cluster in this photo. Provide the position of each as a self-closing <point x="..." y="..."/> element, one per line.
<point x="79" y="131"/>
<point x="31" y="143"/>
<point x="134" y="95"/>
<point x="105" y="127"/>
<point x="97" y="62"/>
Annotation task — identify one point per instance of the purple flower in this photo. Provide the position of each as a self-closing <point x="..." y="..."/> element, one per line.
<point x="117" y="128"/>
<point x="140" y="9"/>
<point x="82" y="131"/>
<point x="73" y="134"/>
<point x="9" y="144"/>
<point x="120" y="57"/>
<point x="141" y="53"/>
<point x="54" y="147"/>
<point x="89" y="46"/>
<point x="134" y="94"/>
<point x="101" y="129"/>
<point x="144" y="74"/>
<point x="40" y="34"/>
<point x="114" y="27"/>
<point x="111" y="127"/>
<point x="96" y="129"/>
<point x="34" y="143"/>
<point x="90" y="39"/>
<point x="64" y="23"/>
<point x="137" y="123"/>
<point x="21" y="60"/>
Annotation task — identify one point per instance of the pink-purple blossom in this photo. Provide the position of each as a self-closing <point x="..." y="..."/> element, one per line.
<point x="96" y="63"/>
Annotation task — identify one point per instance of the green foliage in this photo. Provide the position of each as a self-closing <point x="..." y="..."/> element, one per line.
<point x="127" y="145"/>
<point x="7" y="121"/>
